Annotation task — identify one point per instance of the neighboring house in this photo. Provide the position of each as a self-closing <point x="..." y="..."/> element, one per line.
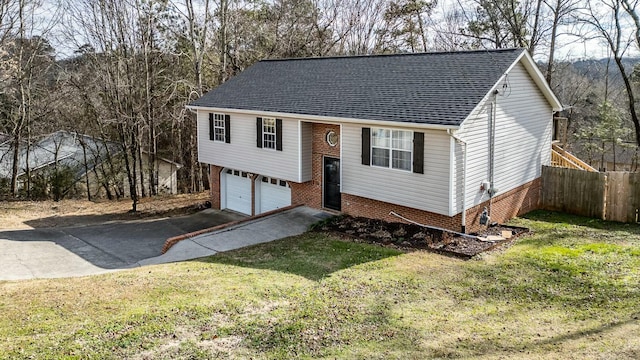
<point x="87" y="158"/>
<point x="627" y="155"/>
<point x="3" y="138"/>
<point x="430" y="137"/>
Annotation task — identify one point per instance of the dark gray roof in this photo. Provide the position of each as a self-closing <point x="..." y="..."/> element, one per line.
<point x="431" y="88"/>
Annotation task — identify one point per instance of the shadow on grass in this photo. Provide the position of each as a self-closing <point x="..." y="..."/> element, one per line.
<point x="311" y="255"/>
<point x="545" y="345"/>
<point x="94" y="219"/>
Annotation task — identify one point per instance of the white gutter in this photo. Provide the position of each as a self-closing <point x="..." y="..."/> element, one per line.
<point x="327" y="119"/>
<point x="463" y="222"/>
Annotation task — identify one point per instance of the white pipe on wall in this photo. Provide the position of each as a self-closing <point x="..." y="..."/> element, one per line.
<point x="463" y="222"/>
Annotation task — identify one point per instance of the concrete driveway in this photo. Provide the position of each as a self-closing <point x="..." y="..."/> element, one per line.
<point x="277" y="226"/>
<point x="86" y="250"/>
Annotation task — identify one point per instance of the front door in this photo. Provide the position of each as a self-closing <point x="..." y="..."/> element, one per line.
<point x="332" y="183"/>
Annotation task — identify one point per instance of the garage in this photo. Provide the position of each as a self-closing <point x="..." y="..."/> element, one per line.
<point x="271" y="194"/>
<point x="237" y="191"/>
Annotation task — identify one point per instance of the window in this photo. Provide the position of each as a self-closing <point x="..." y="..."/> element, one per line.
<point x="391" y="148"/>
<point x="269" y="133"/>
<point x="219" y="127"/>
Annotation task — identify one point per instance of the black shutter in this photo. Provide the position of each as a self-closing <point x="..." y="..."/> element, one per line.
<point x="227" y="129"/>
<point x="418" y="153"/>
<point x="366" y="146"/>
<point x="259" y="131"/>
<point x="211" y="131"/>
<point x="279" y="134"/>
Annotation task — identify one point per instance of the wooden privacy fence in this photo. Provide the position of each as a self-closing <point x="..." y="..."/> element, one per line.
<point x="612" y="195"/>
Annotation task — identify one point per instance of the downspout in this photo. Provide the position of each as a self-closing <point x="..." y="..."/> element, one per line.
<point x="492" y="130"/>
<point x="463" y="222"/>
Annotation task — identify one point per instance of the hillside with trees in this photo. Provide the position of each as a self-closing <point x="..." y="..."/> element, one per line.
<point x="123" y="70"/>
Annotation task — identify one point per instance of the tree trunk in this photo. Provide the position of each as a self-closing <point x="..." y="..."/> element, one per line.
<point x="16" y="163"/>
<point x="631" y="97"/>
<point x="552" y="44"/>
<point x="86" y="169"/>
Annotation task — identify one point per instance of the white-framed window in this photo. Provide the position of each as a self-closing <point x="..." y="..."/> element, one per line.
<point x="269" y="133"/>
<point x="392" y="148"/>
<point x="218" y="127"/>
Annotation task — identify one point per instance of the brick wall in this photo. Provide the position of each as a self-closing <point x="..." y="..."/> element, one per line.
<point x="503" y="207"/>
<point x="360" y="206"/>
<point x="518" y="201"/>
<point x="310" y="192"/>
<point x="214" y="181"/>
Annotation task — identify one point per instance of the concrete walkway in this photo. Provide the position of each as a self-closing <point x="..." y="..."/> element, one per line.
<point x="288" y="223"/>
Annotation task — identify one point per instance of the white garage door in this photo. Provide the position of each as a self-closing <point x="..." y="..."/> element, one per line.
<point x="238" y="191"/>
<point x="274" y="194"/>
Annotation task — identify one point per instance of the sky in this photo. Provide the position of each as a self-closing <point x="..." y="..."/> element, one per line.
<point x="569" y="47"/>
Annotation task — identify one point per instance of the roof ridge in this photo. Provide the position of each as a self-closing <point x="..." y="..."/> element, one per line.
<point x="394" y="54"/>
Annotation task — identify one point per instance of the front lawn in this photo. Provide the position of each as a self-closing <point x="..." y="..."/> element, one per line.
<point x="572" y="290"/>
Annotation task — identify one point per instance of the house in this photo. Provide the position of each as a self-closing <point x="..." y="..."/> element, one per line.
<point x="602" y="155"/>
<point x="3" y="138"/>
<point x="93" y="162"/>
<point x="434" y="138"/>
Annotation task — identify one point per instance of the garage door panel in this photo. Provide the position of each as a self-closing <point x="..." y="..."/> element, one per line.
<point x="274" y="196"/>
<point x="238" y="193"/>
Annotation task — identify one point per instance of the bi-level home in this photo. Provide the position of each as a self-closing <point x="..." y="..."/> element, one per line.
<point x="435" y="138"/>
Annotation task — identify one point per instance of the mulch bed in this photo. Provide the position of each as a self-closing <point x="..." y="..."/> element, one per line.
<point x="412" y="237"/>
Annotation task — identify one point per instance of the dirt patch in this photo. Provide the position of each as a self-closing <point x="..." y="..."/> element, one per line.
<point x="39" y="214"/>
<point x="411" y="237"/>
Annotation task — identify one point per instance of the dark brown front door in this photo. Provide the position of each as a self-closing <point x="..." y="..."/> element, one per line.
<point x="332" y="183"/>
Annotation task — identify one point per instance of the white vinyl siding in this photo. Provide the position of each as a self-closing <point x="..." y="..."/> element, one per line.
<point x="243" y="154"/>
<point x="428" y="191"/>
<point x="306" y="150"/>
<point x="523" y="139"/>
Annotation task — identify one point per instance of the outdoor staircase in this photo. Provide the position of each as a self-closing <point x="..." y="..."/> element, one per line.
<point x="565" y="159"/>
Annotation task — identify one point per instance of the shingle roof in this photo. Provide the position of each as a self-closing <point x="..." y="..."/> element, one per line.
<point x="430" y="88"/>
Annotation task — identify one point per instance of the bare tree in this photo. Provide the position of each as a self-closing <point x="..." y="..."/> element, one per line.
<point x="503" y="23"/>
<point x="109" y="26"/>
<point x="26" y="59"/>
<point x="560" y="10"/>
<point x="607" y="21"/>
<point x="405" y="26"/>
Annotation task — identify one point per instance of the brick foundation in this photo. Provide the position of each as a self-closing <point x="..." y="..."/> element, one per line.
<point x="515" y="202"/>
<point x="359" y="206"/>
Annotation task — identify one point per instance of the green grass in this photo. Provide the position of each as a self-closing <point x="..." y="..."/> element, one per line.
<point x="572" y="290"/>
